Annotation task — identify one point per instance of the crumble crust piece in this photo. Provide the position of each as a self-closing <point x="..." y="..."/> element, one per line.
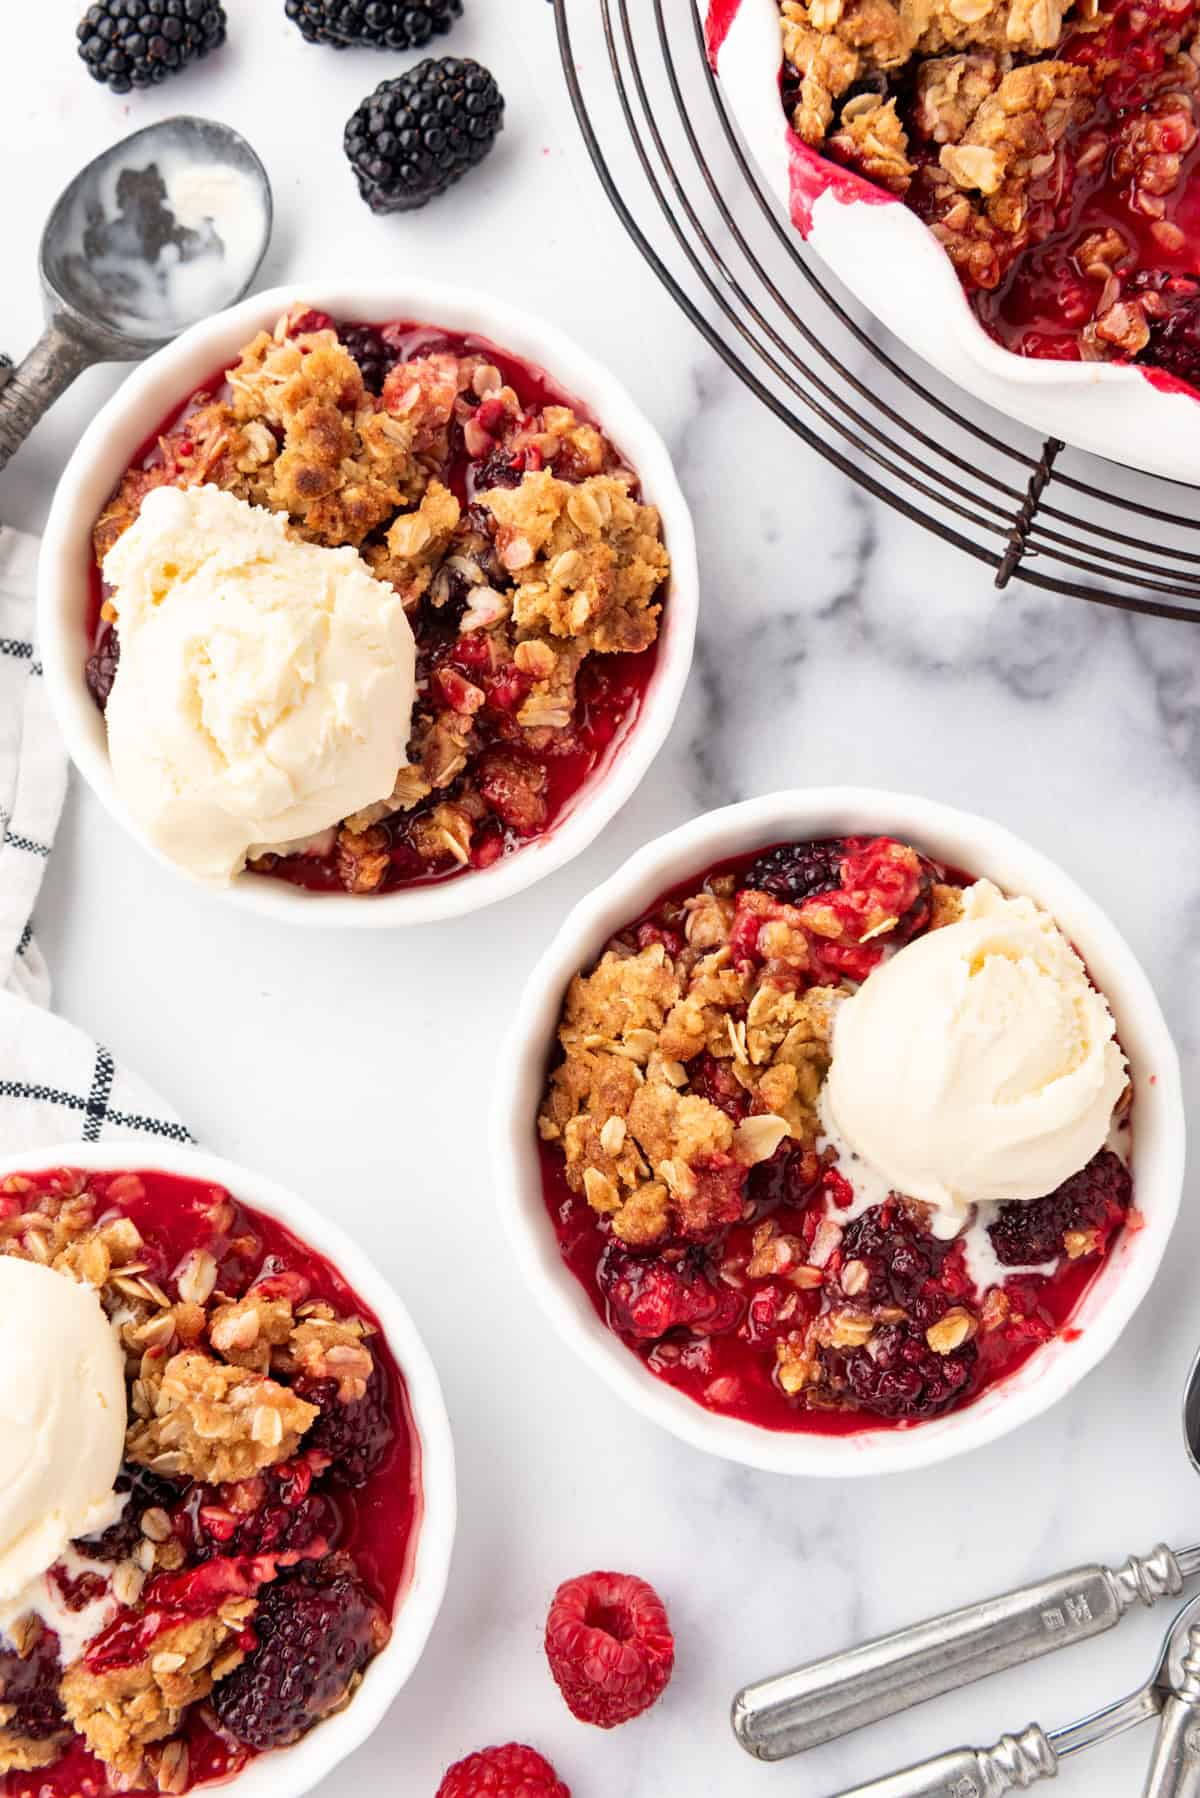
<point x="213" y="1422"/>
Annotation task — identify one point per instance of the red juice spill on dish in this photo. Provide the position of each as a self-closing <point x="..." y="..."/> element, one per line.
<point x="721" y="14"/>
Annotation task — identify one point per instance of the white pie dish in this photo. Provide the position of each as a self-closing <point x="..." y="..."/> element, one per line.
<point x="962" y="840"/>
<point x="890" y="261"/>
<point x="163" y="382"/>
<point x="288" y="1772"/>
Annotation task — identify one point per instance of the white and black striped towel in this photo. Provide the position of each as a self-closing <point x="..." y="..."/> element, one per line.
<point x="56" y="1084"/>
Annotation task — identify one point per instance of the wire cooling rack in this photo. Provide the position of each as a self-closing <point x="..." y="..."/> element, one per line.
<point x="670" y="159"/>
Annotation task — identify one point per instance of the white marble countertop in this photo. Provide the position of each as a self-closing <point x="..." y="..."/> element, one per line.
<point x="837" y="644"/>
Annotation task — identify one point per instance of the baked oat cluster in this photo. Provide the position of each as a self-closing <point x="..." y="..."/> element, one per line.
<point x="226" y="1610"/>
<point x="1045" y="143"/>
<point x="529" y="567"/>
<point x="696" y="1196"/>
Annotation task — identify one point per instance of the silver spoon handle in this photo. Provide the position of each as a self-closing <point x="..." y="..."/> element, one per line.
<point x="32" y="388"/>
<point x="1013" y="1765"/>
<point x="830" y="1698"/>
<point x="1175" y="1766"/>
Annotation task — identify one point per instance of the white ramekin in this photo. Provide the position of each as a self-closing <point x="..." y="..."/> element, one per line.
<point x="893" y="264"/>
<point x="166" y="380"/>
<point x="288" y="1772"/>
<point x="964" y="841"/>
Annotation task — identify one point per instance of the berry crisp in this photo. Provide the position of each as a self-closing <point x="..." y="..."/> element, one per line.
<point x="530" y="569"/>
<point x="272" y="1482"/>
<point x="698" y="1201"/>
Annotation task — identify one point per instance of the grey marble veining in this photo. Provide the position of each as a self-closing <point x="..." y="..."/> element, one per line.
<point x="838" y="644"/>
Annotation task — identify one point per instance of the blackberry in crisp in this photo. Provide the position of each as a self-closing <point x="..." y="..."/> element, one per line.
<point x="418" y="134"/>
<point x="795" y="871"/>
<point x="101" y="669"/>
<point x="370" y="350"/>
<point x="899" y="1259"/>
<point x="355" y="1433"/>
<point x="1171" y="303"/>
<point x="373" y="24"/>
<point x="138" y="43"/>
<point x="1091" y="1203"/>
<point x="899" y="1375"/>
<point x="316" y="1628"/>
<point x="29" y="1689"/>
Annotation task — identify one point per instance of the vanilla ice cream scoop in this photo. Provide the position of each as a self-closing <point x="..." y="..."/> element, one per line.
<point x="265" y="686"/>
<point x="978" y="1063"/>
<point x="62" y="1418"/>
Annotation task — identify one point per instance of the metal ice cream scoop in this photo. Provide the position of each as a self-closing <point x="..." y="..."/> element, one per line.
<point x="168" y="226"/>
<point x="1016" y="1762"/>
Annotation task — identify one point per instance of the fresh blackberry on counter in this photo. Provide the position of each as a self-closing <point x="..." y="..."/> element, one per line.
<point x="368" y="346"/>
<point x="138" y="43"/>
<point x="373" y="24"/>
<point x="795" y="871"/>
<point x="417" y="135"/>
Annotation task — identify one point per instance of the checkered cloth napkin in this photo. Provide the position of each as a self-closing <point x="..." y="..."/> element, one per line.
<point x="56" y="1084"/>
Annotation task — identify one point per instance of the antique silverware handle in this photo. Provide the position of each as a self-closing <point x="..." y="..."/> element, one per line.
<point x="32" y="388"/>
<point x="1013" y="1765"/>
<point x="1175" y="1766"/>
<point x="830" y="1698"/>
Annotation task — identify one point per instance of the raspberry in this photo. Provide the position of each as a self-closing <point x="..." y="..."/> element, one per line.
<point x="29" y="1689"/>
<point x="648" y="1297"/>
<point x="276" y="1513"/>
<point x="790" y="1177"/>
<point x="356" y="1434"/>
<point x="610" y="1647"/>
<point x="316" y="1629"/>
<point x="1095" y="1199"/>
<point x="513" y="1771"/>
<point x="712" y="1079"/>
<point x="796" y="871"/>
<point x="899" y="1375"/>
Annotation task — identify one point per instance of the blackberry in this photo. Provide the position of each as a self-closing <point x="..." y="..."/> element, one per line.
<point x="29" y="1689"/>
<point x="1096" y="1198"/>
<point x="901" y="1261"/>
<point x="899" y="1375"/>
<point x="317" y="1628"/>
<point x="147" y="1491"/>
<point x="102" y="665"/>
<point x="373" y="24"/>
<point x="795" y="871"/>
<point x="417" y="135"/>
<point x="1171" y="304"/>
<point x="356" y="1434"/>
<point x="370" y="350"/>
<point x="138" y="43"/>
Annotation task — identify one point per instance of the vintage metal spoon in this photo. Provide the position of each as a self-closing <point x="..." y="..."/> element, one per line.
<point x="1175" y="1767"/>
<point x="168" y="226"/>
<point x="832" y="1697"/>
<point x="1016" y="1762"/>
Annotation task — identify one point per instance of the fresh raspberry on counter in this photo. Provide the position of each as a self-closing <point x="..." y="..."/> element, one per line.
<point x="513" y="1771"/>
<point x="610" y="1647"/>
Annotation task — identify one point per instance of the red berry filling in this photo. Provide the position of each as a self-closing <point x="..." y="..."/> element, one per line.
<point x="766" y="1288"/>
<point x="610" y="1647"/>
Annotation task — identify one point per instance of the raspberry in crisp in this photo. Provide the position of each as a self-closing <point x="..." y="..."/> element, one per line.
<point x="513" y="1771"/>
<point x="610" y="1647"/>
